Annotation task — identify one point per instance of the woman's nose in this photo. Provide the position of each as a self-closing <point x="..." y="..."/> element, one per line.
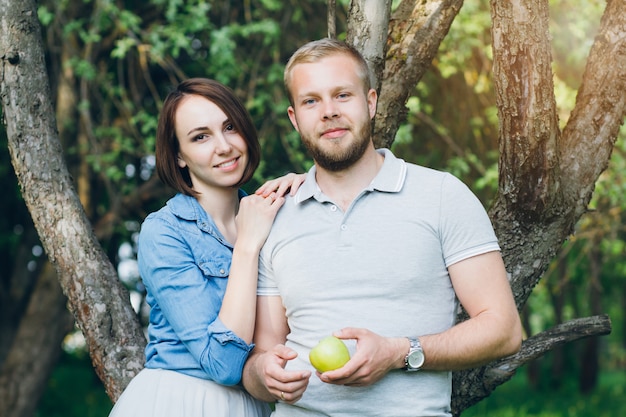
<point x="222" y="145"/>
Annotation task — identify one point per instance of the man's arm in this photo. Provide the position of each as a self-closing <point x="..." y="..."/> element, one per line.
<point x="493" y="330"/>
<point x="264" y="375"/>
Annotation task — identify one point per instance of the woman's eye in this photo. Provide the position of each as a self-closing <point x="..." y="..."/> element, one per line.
<point x="230" y="127"/>
<point x="200" y="137"/>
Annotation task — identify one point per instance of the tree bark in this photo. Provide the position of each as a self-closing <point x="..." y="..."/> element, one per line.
<point x="45" y="323"/>
<point x="33" y="321"/>
<point x="368" y="25"/>
<point x="16" y="290"/>
<point x="88" y="279"/>
<point x="416" y="30"/>
<point x="471" y="386"/>
<point x="547" y="177"/>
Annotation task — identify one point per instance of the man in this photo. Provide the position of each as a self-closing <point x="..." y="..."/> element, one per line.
<point x="378" y="252"/>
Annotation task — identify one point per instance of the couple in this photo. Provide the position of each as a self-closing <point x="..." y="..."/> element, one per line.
<point x="372" y="249"/>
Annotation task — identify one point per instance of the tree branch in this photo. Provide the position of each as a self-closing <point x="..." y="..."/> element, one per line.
<point x="539" y="344"/>
<point x="332" y="19"/>
<point x="416" y="30"/>
<point x="471" y="386"/>
<point x="599" y="112"/>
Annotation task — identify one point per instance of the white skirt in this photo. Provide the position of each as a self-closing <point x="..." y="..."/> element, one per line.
<point x="164" y="393"/>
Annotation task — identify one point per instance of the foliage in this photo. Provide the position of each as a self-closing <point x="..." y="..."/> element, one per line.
<point x="452" y="122"/>
<point x="123" y="58"/>
<point x="74" y="390"/>
<point x="517" y="399"/>
<point x="601" y="238"/>
<point x="572" y="36"/>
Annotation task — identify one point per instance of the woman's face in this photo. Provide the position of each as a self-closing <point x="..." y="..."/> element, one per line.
<point x="210" y="147"/>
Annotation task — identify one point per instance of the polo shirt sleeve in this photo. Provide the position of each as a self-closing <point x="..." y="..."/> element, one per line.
<point x="266" y="285"/>
<point x="465" y="227"/>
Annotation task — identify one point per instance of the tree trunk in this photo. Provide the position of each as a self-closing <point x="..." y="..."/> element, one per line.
<point x="16" y="290"/>
<point x="416" y="30"/>
<point x="368" y="25"/>
<point x="45" y="323"/>
<point x="33" y="321"/>
<point x="98" y="300"/>
<point x="546" y="178"/>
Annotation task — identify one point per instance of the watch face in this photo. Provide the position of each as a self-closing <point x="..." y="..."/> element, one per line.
<point x="416" y="359"/>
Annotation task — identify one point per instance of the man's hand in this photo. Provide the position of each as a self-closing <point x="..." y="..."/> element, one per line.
<point x="374" y="357"/>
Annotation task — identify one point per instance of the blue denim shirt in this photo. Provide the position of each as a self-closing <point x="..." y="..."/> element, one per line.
<point x="184" y="262"/>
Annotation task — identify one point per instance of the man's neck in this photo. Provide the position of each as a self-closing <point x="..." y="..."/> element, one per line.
<point x="345" y="185"/>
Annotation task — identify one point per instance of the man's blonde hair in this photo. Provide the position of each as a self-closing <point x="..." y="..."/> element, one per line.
<point x="323" y="48"/>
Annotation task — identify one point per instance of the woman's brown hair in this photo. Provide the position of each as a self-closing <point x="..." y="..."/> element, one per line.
<point x="167" y="145"/>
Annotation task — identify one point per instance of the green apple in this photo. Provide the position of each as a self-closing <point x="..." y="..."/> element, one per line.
<point x="329" y="354"/>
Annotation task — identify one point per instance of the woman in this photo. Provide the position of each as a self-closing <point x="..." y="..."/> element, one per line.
<point x="198" y="258"/>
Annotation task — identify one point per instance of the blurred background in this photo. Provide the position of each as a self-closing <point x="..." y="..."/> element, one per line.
<point x="111" y="63"/>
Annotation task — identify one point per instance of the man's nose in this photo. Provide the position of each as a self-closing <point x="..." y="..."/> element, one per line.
<point x="330" y="110"/>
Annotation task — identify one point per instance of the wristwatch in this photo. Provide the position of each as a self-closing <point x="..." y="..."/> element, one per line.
<point x="415" y="358"/>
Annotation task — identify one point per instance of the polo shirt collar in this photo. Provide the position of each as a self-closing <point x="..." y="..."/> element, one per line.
<point x="389" y="179"/>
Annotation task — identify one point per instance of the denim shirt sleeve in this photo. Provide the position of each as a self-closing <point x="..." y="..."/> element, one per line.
<point x="189" y="298"/>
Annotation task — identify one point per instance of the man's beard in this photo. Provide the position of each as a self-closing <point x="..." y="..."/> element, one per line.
<point x="339" y="159"/>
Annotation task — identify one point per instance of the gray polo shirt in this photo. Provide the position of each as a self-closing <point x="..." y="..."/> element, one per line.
<point x="380" y="265"/>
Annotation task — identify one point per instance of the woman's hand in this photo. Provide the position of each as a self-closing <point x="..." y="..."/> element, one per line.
<point x="281" y="185"/>
<point x="254" y="219"/>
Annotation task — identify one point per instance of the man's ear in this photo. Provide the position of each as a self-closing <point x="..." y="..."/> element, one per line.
<point x="292" y="117"/>
<point x="372" y="100"/>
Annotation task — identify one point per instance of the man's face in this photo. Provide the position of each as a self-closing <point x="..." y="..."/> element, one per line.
<point x="331" y="111"/>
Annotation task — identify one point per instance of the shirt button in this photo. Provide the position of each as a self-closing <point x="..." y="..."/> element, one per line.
<point x="222" y="271"/>
<point x="333" y="208"/>
<point x="344" y="227"/>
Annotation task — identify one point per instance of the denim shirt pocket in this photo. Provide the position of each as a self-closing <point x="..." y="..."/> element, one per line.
<point x="217" y="265"/>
